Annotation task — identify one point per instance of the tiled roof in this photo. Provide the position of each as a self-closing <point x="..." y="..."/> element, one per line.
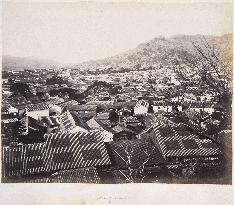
<point x="78" y="129"/>
<point x="121" y="176"/>
<point x="78" y="120"/>
<point x="84" y="107"/>
<point x="37" y="107"/>
<point x="104" y="123"/>
<point x="81" y="175"/>
<point x="37" y="180"/>
<point x="200" y="104"/>
<point x="161" y="103"/>
<point x="10" y="120"/>
<point x="97" y="102"/>
<point x="131" y="119"/>
<point x="55" y="101"/>
<point x="124" y="104"/>
<point x="85" y="116"/>
<point x="120" y="128"/>
<point x="60" y="151"/>
<point x="141" y="151"/>
<point x="103" y="116"/>
<point x="142" y="103"/>
<point x="181" y="143"/>
<point x="150" y="119"/>
<point x="22" y="160"/>
<point x="68" y="104"/>
<point x="116" y="105"/>
<point x="93" y="123"/>
<point x="100" y="125"/>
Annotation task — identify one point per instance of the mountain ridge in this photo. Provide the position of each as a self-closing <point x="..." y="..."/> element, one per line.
<point x="156" y="51"/>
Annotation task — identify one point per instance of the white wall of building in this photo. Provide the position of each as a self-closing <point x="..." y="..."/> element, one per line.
<point x="162" y="108"/>
<point x="38" y="113"/>
<point x="208" y="110"/>
<point x="140" y="110"/>
<point x="107" y="136"/>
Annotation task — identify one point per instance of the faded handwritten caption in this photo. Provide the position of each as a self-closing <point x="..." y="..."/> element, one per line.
<point x="110" y="199"/>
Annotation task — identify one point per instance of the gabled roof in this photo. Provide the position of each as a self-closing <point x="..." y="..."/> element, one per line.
<point x="100" y="103"/>
<point x="76" y="150"/>
<point x="180" y="143"/>
<point x="94" y="123"/>
<point x="78" y="129"/>
<point x="139" y="151"/>
<point x="84" y="107"/>
<point x="55" y="101"/>
<point x="78" y="120"/>
<point x="103" y="116"/>
<point x="37" y="107"/>
<point x="120" y="128"/>
<point x="116" y="105"/>
<point x="60" y="151"/>
<point x="68" y="104"/>
<point x="103" y="122"/>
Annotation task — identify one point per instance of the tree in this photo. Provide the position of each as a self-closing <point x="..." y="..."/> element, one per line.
<point x="138" y="174"/>
<point x="113" y="117"/>
<point x="99" y="109"/>
<point x="20" y="89"/>
<point x="210" y="66"/>
<point x="210" y="71"/>
<point x="195" y="118"/>
<point x="150" y="109"/>
<point x="55" y="80"/>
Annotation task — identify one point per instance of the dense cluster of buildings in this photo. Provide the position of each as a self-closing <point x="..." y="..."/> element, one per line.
<point x="127" y="136"/>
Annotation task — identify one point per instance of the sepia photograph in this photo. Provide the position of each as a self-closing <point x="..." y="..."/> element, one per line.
<point x="116" y="93"/>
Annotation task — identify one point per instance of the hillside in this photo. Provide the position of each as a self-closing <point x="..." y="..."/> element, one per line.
<point x="160" y="50"/>
<point x="21" y="63"/>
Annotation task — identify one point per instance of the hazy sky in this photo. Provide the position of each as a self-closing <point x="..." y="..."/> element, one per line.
<point x="77" y="32"/>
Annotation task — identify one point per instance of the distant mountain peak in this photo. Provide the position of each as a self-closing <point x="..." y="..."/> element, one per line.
<point x="156" y="51"/>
